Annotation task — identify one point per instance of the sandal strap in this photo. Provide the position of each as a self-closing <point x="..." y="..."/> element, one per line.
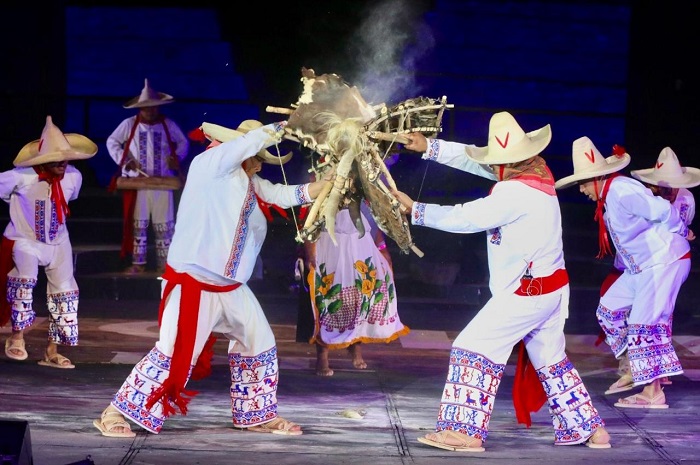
<point x="59" y="359"/>
<point x="465" y="440"/>
<point x="279" y="423"/>
<point x="110" y="419"/>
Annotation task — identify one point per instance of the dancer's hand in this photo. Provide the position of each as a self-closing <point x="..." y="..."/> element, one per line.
<point x="418" y="142"/>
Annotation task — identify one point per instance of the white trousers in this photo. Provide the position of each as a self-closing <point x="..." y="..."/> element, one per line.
<point x="62" y="295"/>
<point x="252" y="354"/>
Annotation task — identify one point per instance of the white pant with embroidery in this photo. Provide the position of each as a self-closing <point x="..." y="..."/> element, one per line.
<point x="62" y="295"/>
<point x="636" y="313"/>
<point x="252" y="355"/>
<point x="481" y="350"/>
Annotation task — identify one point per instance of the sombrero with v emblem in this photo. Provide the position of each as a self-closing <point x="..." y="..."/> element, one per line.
<point x="589" y="163"/>
<point x="668" y="172"/>
<point x="508" y="143"/>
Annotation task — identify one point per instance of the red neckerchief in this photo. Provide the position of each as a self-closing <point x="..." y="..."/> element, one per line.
<point x="57" y="198"/>
<point x="267" y="207"/>
<point x="603" y="242"/>
<point x="533" y="171"/>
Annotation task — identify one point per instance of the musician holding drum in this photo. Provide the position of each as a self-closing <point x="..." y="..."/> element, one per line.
<point x="148" y="147"/>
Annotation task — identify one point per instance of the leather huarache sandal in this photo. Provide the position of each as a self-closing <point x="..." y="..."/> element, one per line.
<point x="459" y="442"/>
<point x="625" y="383"/>
<point x="109" y="423"/>
<point x="600" y="439"/>
<point x="14" y="349"/>
<point x="56" y="361"/>
<point x="277" y="426"/>
<point x="642" y="401"/>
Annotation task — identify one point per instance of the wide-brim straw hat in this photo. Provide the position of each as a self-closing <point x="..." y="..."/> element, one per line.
<point x="149" y="98"/>
<point x="508" y="143"/>
<point x="55" y="146"/>
<point x="668" y="172"/>
<point x="589" y="163"/>
<point x="214" y="132"/>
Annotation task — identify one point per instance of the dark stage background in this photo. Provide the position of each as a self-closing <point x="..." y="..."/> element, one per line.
<point x="620" y="72"/>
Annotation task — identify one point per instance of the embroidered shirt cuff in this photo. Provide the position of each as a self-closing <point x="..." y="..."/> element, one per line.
<point x="418" y="214"/>
<point x="433" y="150"/>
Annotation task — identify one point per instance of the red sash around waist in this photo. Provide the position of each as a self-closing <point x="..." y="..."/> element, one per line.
<point x="173" y="391"/>
<point x="544" y="285"/>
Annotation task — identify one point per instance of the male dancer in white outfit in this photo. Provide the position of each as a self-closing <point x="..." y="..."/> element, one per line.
<point x="151" y="144"/>
<point x="650" y="236"/>
<point x="528" y="282"/>
<point x="38" y="190"/>
<point x="667" y="179"/>
<point x="220" y="231"/>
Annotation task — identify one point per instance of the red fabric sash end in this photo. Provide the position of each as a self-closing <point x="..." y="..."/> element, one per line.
<point x="172" y="393"/>
<point x="6" y="265"/>
<point x="528" y="393"/>
<point x="607" y="282"/>
<point x="202" y="368"/>
<point x="128" y="207"/>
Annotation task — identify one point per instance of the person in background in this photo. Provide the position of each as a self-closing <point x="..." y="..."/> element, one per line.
<point x="220" y="231"/>
<point x="650" y="236"/>
<point x="529" y="285"/>
<point x="38" y="190"/>
<point x="671" y="181"/>
<point x="148" y="144"/>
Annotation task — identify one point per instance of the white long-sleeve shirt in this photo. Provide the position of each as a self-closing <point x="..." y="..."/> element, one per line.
<point x="523" y="224"/>
<point x="220" y="228"/>
<point x="685" y="204"/>
<point x="32" y="214"/>
<point x="646" y="229"/>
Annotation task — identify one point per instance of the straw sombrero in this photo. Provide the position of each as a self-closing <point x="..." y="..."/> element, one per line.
<point x="149" y="98"/>
<point x="55" y="146"/>
<point x="668" y="172"/>
<point x="508" y="143"/>
<point x="214" y="132"/>
<point x="589" y="163"/>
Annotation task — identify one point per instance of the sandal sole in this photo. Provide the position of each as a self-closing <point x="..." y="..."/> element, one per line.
<point x="98" y="424"/>
<point x="642" y="406"/>
<point x="439" y="445"/>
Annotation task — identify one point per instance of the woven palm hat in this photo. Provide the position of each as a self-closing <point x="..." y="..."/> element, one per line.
<point x="589" y="163"/>
<point x="214" y="132"/>
<point x="149" y="98"/>
<point x="508" y="143"/>
<point x="55" y="146"/>
<point x="668" y="172"/>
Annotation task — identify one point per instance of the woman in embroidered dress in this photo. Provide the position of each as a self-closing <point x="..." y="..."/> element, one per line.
<point x="352" y="291"/>
<point x="220" y="231"/>
<point x="650" y="237"/>
<point x="529" y="287"/>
